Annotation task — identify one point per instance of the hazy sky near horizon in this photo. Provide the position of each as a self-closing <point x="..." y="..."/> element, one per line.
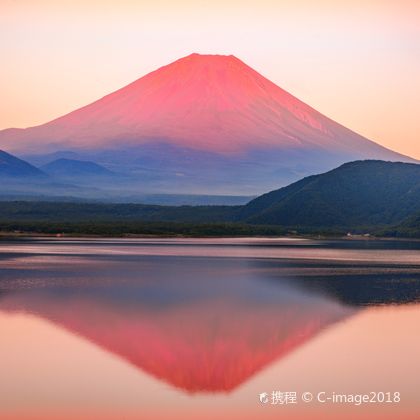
<point x="356" y="61"/>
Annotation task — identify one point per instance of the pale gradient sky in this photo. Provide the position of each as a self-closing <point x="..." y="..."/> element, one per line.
<point x="356" y="61"/>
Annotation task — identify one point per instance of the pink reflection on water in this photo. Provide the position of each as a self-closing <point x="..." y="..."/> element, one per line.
<point x="210" y="346"/>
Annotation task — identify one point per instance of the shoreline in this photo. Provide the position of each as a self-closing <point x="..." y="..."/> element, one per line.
<point x="320" y="237"/>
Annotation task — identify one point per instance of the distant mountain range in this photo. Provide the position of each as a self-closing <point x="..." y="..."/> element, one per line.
<point x="205" y="124"/>
<point x="12" y="167"/>
<point x="67" y="180"/>
<point x="360" y="197"/>
<point x="71" y="168"/>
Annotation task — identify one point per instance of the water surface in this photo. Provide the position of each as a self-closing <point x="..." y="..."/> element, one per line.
<point x="194" y="328"/>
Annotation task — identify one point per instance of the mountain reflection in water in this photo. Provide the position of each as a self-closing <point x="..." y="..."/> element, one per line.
<point x="200" y="324"/>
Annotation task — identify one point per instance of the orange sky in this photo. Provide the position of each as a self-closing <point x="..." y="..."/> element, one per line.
<point x="356" y="61"/>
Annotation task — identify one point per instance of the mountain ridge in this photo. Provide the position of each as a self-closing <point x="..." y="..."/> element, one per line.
<point x="11" y="166"/>
<point x="370" y="192"/>
<point x="75" y="168"/>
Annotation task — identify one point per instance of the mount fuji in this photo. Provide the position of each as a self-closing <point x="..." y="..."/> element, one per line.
<point x="202" y="124"/>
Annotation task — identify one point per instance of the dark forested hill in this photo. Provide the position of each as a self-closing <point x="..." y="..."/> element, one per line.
<point x="410" y="227"/>
<point x="362" y="193"/>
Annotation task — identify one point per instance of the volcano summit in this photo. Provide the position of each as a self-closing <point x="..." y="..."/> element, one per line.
<point x="204" y="123"/>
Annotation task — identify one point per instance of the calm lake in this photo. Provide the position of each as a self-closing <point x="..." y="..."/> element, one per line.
<point x="209" y="329"/>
